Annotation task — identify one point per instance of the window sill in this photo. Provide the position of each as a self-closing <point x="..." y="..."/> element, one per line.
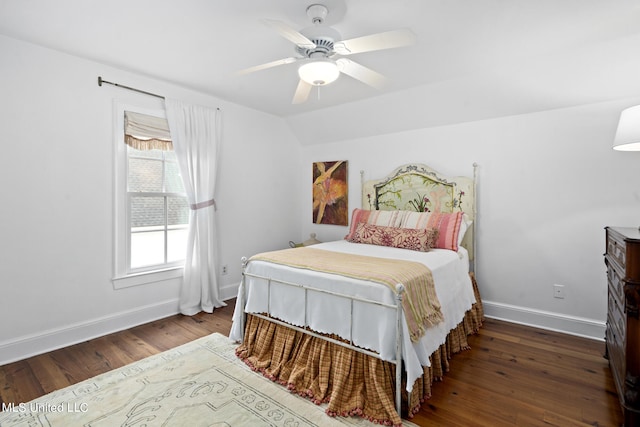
<point x="146" y="277"/>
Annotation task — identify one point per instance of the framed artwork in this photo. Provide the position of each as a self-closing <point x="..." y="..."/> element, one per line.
<point x="330" y="193"/>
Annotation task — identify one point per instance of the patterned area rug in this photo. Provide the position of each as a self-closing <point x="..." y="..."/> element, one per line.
<point x="201" y="383"/>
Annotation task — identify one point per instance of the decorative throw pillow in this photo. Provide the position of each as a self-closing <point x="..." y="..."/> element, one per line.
<point x="414" y="239"/>
<point x="448" y="223"/>
<point x="449" y="226"/>
<point x="383" y="218"/>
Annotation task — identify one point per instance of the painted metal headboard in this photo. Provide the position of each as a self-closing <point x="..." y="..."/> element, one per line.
<point x="417" y="187"/>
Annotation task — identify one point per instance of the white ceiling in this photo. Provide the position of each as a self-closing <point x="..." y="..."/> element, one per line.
<point x="474" y="59"/>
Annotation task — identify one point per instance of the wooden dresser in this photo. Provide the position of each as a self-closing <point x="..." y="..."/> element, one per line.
<point x="622" y="258"/>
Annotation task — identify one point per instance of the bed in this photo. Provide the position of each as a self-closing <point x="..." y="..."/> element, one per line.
<point x="366" y="324"/>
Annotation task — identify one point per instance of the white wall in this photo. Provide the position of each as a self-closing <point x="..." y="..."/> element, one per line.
<point x="57" y="174"/>
<point x="549" y="183"/>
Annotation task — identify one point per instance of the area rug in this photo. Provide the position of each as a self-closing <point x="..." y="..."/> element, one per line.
<point x="201" y="383"/>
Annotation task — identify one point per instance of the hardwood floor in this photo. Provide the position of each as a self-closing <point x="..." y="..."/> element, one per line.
<point x="520" y="376"/>
<point x="512" y="376"/>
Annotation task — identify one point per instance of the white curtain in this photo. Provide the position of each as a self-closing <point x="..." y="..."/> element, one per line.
<point x="195" y="132"/>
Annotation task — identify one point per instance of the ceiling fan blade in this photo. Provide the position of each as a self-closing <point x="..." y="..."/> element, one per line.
<point x="290" y="34"/>
<point x="267" y="65"/>
<point x="302" y="92"/>
<point x="388" y="40"/>
<point x="362" y="73"/>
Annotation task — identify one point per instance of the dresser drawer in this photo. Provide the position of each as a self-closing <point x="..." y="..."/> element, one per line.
<point x="616" y="250"/>
<point x="616" y="353"/>
<point x="616" y="286"/>
<point x="623" y="252"/>
<point x="616" y="319"/>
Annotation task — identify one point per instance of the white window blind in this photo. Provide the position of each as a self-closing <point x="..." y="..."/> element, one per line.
<point x="144" y="132"/>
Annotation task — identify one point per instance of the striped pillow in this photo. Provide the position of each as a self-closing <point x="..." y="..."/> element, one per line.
<point x="448" y="224"/>
<point x="383" y="218"/>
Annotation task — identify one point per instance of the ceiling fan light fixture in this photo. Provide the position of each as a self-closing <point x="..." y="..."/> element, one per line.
<point x="319" y="72"/>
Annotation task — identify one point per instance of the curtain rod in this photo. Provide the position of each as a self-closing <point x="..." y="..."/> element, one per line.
<point x="101" y="80"/>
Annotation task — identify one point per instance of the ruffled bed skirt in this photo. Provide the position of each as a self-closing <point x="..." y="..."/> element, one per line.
<point x="350" y="382"/>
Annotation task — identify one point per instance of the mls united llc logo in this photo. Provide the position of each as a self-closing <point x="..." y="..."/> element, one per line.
<point x="68" y="407"/>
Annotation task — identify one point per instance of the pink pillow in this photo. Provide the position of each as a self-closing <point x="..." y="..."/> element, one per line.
<point x="405" y="238"/>
<point x="449" y="226"/>
<point x="448" y="223"/>
<point x="383" y="218"/>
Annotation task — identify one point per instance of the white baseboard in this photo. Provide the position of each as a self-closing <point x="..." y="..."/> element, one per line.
<point x="572" y="325"/>
<point x="229" y="291"/>
<point x="53" y="339"/>
<point x="31" y="345"/>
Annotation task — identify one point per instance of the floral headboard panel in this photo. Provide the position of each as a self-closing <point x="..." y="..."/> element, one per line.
<point x="417" y="187"/>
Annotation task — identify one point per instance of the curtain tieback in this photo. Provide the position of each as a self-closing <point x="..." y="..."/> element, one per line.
<point x="204" y="204"/>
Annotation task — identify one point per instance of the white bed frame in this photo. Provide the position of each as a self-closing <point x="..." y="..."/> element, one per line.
<point x="395" y="180"/>
<point x="350" y="345"/>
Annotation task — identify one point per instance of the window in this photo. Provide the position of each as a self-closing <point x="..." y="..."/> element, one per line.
<point x="151" y="207"/>
<point x="157" y="208"/>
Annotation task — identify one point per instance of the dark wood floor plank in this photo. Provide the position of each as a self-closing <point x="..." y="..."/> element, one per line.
<point x="131" y="347"/>
<point x="513" y="375"/>
<point x="48" y="373"/>
<point x="18" y="383"/>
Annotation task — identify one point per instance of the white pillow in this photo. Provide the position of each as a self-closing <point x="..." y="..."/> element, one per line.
<point x="464" y="226"/>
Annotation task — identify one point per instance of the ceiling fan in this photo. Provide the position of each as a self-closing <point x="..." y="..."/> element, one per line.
<point x="321" y="53"/>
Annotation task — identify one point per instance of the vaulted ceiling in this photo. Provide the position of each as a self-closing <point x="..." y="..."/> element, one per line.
<point x="474" y="59"/>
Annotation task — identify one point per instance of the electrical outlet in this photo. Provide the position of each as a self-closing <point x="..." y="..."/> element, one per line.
<point x="558" y="291"/>
<point x="225" y="269"/>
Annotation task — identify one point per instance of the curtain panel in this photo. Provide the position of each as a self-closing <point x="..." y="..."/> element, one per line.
<point x="196" y="133"/>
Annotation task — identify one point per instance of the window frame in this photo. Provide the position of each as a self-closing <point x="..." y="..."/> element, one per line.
<point x="124" y="276"/>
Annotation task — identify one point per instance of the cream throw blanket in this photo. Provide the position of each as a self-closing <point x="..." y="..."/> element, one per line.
<point x="420" y="302"/>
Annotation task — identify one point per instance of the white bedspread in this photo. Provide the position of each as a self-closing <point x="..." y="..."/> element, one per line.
<point x="374" y="326"/>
